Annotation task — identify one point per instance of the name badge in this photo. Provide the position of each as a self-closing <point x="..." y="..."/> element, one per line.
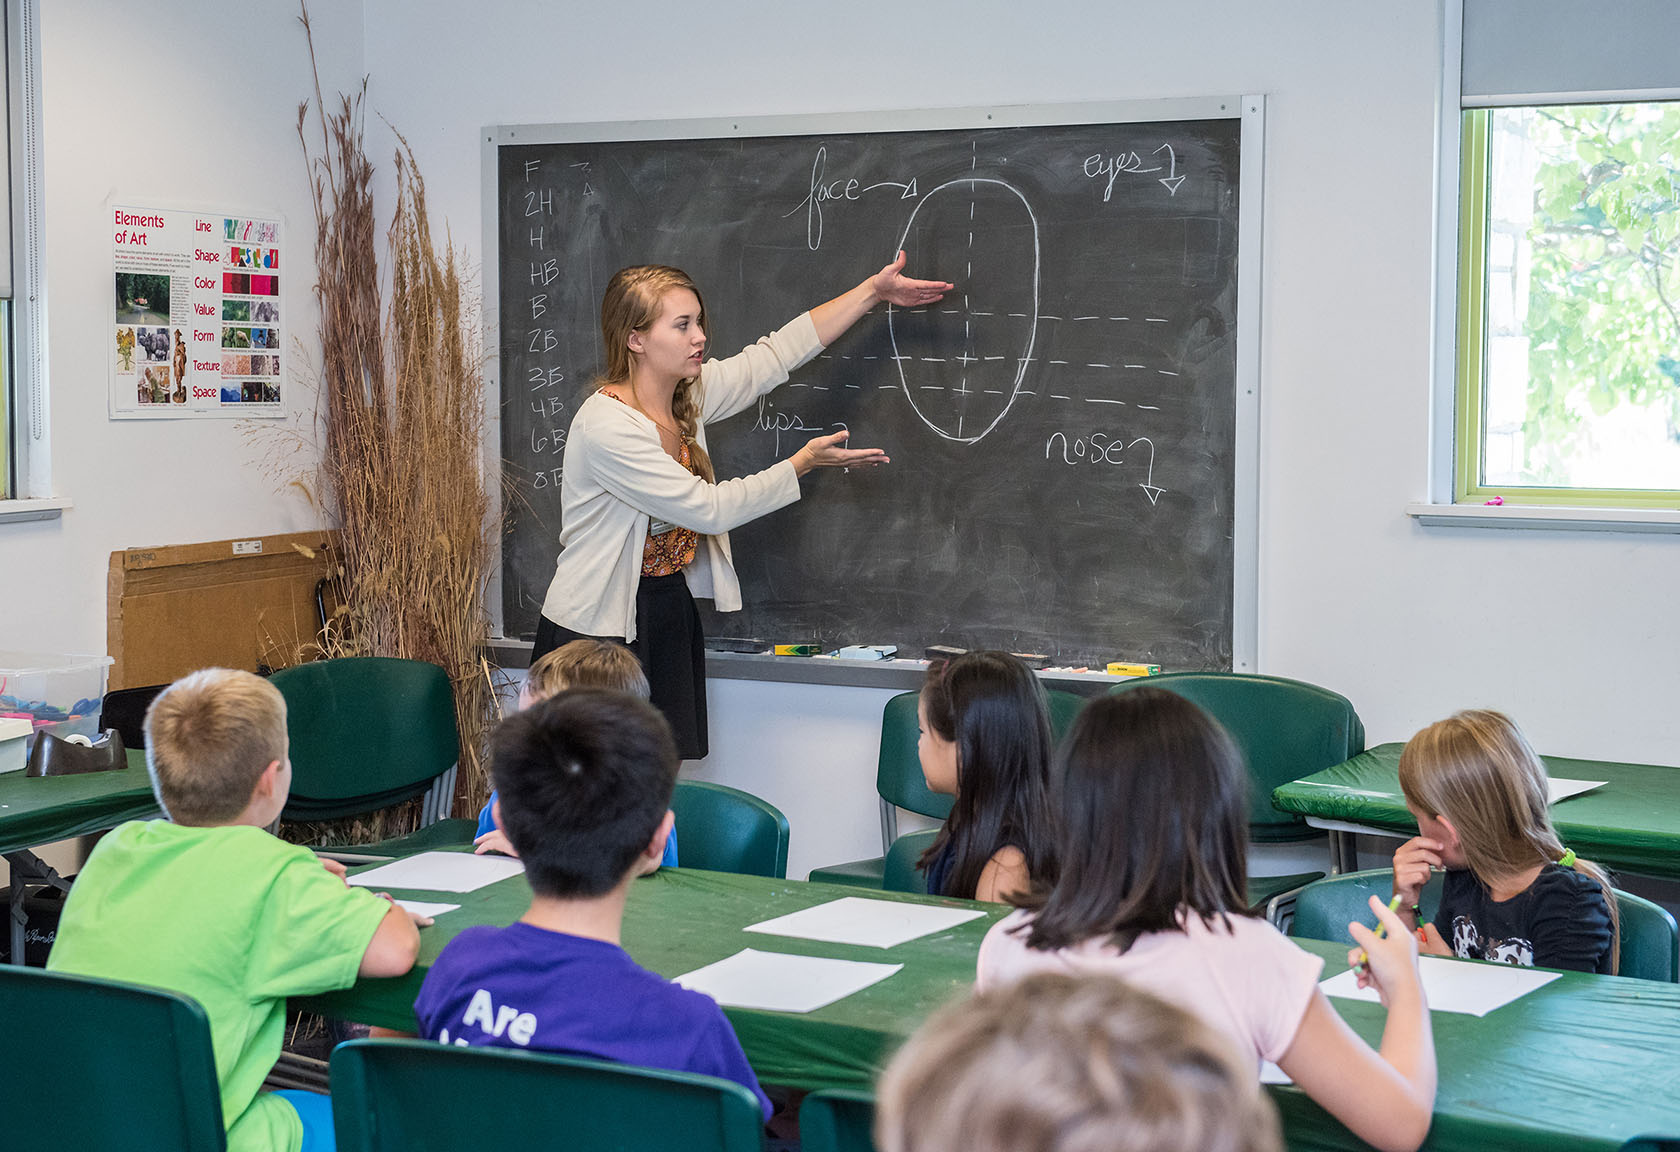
<point x="660" y="527"/>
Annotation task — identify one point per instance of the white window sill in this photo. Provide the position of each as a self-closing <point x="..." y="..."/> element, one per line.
<point x="1550" y="518"/>
<point x="47" y="508"/>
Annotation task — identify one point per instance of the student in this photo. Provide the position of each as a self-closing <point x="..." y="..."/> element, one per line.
<point x="1152" y="889"/>
<point x="1061" y="1063"/>
<point x="579" y="664"/>
<point x="210" y="905"/>
<point x="985" y="739"/>
<point x="585" y="785"/>
<point x="1512" y="893"/>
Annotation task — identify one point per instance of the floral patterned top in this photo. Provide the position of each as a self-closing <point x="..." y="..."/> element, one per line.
<point x="669" y="552"/>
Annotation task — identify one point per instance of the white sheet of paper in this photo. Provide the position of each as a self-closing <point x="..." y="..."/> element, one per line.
<point x="440" y="872"/>
<point x="422" y="908"/>
<point x="859" y="920"/>
<point x="781" y="982"/>
<point x="1466" y="986"/>
<point x="1562" y="788"/>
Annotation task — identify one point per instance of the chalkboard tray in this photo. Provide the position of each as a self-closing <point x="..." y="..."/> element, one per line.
<point x="1072" y="430"/>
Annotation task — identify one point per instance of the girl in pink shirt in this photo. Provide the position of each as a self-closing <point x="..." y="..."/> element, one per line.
<point x="1152" y="887"/>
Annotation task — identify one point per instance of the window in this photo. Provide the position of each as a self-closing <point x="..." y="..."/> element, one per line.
<point x="23" y="430"/>
<point x="1558" y="318"/>
<point x="1569" y="291"/>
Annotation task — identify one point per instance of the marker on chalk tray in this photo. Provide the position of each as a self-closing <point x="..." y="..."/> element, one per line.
<point x="1382" y="930"/>
<point x="1122" y="668"/>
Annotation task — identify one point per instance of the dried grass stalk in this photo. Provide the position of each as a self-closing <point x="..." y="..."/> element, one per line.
<point x="401" y="467"/>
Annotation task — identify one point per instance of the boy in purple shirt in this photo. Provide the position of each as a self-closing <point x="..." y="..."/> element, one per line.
<point x="584" y="783"/>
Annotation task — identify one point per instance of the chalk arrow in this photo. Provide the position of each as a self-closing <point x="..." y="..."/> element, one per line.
<point x="909" y="190"/>
<point x="1149" y="487"/>
<point x="1152" y="492"/>
<point x="1172" y="183"/>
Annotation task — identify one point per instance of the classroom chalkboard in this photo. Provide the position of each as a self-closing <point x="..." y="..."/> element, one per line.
<point x="1063" y="427"/>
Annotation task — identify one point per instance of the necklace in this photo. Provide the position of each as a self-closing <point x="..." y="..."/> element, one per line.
<point x="636" y="403"/>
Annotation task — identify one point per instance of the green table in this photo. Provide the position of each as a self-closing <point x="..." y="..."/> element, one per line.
<point x="39" y="811"/>
<point x="680" y="919"/>
<point x="1586" y="1063"/>
<point x="1631" y="823"/>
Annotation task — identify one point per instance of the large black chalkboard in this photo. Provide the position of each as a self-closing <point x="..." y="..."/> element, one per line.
<point x="1062" y="427"/>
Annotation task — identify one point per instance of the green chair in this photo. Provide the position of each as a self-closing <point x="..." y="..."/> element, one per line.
<point x="837" y="1120"/>
<point x="899" y="872"/>
<point x="1650" y="939"/>
<point x="728" y="830"/>
<point x="368" y="732"/>
<point x="92" y="1064"/>
<point x="1286" y="729"/>
<point x="899" y="781"/>
<point x="422" y="1096"/>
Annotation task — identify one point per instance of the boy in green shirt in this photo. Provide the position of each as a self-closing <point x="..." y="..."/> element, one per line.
<point x="210" y="905"/>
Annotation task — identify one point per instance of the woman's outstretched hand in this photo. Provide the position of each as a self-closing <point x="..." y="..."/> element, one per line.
<point x="831" y="452"/>
<point x="890" y="284"/>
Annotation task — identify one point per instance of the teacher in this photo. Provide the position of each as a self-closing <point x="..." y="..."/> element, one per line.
<point x="644" y="522"/>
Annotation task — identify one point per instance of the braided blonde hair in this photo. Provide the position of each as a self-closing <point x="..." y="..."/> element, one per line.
<point x="634" y="299"/>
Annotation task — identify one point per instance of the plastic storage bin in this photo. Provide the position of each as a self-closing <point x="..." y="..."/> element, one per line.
<point x="60" y="694"/>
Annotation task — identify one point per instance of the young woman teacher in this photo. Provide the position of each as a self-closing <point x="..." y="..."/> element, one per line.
<point x="644" y="522"/>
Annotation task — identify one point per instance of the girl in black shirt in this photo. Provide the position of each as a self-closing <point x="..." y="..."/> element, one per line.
<point x="1512" y="892"/>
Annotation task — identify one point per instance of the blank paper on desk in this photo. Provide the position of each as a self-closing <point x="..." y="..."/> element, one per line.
<point x="1469" y="986"/>
<point x="439" y="872"/>
<point x="872" y="923"/>
<point x="781" y="982"/>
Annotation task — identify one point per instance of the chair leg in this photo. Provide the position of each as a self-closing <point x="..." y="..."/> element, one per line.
<point x="1344" y="852"/>
<point x="889" y="826"/>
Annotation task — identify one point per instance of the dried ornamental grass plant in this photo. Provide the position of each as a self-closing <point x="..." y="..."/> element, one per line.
<point x="402" y="411"/>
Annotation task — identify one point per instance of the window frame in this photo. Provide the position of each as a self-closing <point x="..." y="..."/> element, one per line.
<point x="1470" y="343"/>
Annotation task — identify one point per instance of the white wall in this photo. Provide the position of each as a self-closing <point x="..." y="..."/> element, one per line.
<point x="1573" y="633"/>
<point x="191" y="104"/>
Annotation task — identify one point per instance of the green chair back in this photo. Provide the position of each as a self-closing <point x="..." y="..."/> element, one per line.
<point x="422" y="1096"/>
<point x="728" y="830"/>
<point x="366" y="732"/>
<point x="899" y="872"/>
<point x="898" y="769"/>
<point x="91" y="1064"/>
<point x="1650" y="939"/>
<point x="1286" y="729"/>
<point x="1324" y="909"/>
<point x="837" y="1120"/>
<point x="1064" y="709"/>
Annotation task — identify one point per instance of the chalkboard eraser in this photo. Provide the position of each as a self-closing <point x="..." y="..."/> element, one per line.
<point x="1034" y="660"/>
<point x="1121" y="668"/>
<point x="867" y="652"/>
<point x="942" y="652"/>
<point x="736" y="644"/>
<point x="798" y="649"/>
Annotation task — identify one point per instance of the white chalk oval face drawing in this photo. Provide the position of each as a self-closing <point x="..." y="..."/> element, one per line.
<point x="961" y="361"/>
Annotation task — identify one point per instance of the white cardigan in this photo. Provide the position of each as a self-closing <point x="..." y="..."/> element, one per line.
<point x="616" y="477"/>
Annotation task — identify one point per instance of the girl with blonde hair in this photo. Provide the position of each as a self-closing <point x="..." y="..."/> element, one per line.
<point x="644" y="520"/>
<point x="1512" y="891"/>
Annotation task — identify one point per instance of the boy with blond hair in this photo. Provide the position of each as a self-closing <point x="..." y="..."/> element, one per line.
<point x="1064" y="1063"/>
<point x="210" y="905"/>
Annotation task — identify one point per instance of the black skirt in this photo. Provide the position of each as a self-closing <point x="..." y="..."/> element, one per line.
<point x="670" y="648"/>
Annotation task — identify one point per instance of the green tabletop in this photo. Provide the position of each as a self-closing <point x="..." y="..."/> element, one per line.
<point x="680" y="919"/>
<point x="42" y="810"/>
<point x="1632" y="822"/>
<point x="1586" y="1063"/>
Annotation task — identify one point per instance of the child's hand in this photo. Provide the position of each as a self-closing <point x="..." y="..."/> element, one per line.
<point x="494" y="840"/>
<point x="1432" y="942"/>
<point x="419" y="920"/>
<point x="1391" y="960"/>
<point x="336" y="867"/>
<point x="1412" y="862"/>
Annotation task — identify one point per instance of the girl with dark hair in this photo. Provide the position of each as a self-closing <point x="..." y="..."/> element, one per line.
<point x="644" y="521"/>
<point x="985" y="739"/>
<point x="1151" y="889"/>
